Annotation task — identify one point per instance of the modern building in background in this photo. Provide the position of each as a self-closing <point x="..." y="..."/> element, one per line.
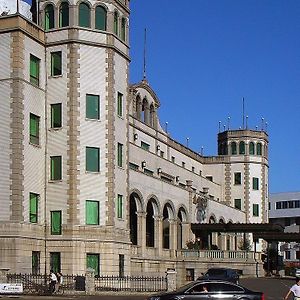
<point x="284" y="209"/>
<point x="89" y="178"/>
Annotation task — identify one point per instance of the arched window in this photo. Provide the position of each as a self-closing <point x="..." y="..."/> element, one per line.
<point x="181" y="218"/>
<point x="242" y="148"/>
<point x="123" y="29"/>
<point x="84" y="15"/>
<point x="133" y="220"/>
<point x="49" y="17"/>
<point x="251" y="148"/>
<point x="100" y="18"/>
<point x="64" y="14"/>
<point x="116" y="23"/>
<point x="150" y="228"/>
<point x="258" y="149"/>
<point x="152" y="115"/>
<point x="233" y="148"/>
<point x="166" y="229"/>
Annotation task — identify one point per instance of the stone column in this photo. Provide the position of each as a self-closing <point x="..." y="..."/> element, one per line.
<point x="173" y="236"/>
<point x="141" y="228"/>
<point x="158" y="225"/>
<point x="186" y="234"/>
<point x="147" y="115"/>
<point x="171" y="280"/>
<point x="90" y="282"/>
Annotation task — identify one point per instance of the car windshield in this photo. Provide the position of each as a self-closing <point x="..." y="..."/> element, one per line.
<point x="185" y="287"/>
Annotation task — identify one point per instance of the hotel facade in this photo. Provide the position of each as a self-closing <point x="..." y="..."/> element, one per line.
<point x="89" y="178"/>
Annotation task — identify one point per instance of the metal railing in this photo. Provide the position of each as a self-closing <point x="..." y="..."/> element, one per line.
<point x="131" y="283"/>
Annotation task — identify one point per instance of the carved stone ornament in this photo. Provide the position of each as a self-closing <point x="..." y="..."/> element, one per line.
<point x="201" y="206"/>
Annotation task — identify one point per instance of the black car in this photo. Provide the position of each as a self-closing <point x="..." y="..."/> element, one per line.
<point x="210" y="289"/>
<point x="225" y="274"/>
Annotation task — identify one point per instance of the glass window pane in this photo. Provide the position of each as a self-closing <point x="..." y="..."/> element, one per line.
<point x="34" y="129"/>
<point x="251" y="148"/>
<point x="238" y="204"/>
<point x="92" y="107"/>
<point x="56" y="222"/>
<point x="242" y="148"/>
<point x="33" y="207"/>
<point x="120" y="155"/>
<point x="233" y="148"/>
<point x="120" y="207"/>
<point x="84" y="15"/>
<point x="100" y="15"/>
<point x="55" y="262"/>
<point x="120" y="105"/>
<point x="49" y="17"/>
<point x="237" y="178"/>
<point x="64" y="15"/>
<point x="56" y="63"/>
<point x="258" y="149"/>
<point x="123" y="29"/>
<point x="34" y="70"/>
<point x="92" y="159"/>
<point x="92" y="261"/>
<point x="55" y="166"/>
<point x="56" y="115"/>
<point x="92" y="212"/>
<point x="116" y="23"/>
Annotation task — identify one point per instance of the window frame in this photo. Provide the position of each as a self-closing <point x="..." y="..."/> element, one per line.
<point x="56" y="63"/>
<point x="33" y="207"/>
<point x="49" y="17"/>
<point x="86" y="23"/>
<point x="96" y="256"/>
<point x="116" y="23"/>
<point x="34" y="139"/>
<point x="255" y="210"/>
<point x="145" y="146"/>
<point x="54" y="214"/>
<point x="54" y="112"/>
<point x="92" y="107"/>
<point x="120" y="204"/>
<point x="123" y="29"/>
<point x="120" y="104"/>
<point x="64" y="15"/>
<point x="101" y="14"/>
<point x="120" y="155"/>
<point x="237" y="178"/>
<point x="34" y="62"/>
<point x="255" y="183"/>
<point x="96" y="218"/>
<point x="55" y="167"/>
<point x="238" y="203"/>
<point x="89" y="166"/>
<point x="233" y="148"/>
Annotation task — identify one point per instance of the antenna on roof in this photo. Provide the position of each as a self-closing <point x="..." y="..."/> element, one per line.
<point x="145" y="40"/>
<point x="243" y="113"/>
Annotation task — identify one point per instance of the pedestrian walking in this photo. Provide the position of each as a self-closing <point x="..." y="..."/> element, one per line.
<point x="53" y="281"/>
<point x="294" y="290"/>
<point x="59" y="277"/>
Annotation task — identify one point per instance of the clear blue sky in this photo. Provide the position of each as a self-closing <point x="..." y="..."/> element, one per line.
<point x="204" y="56"/>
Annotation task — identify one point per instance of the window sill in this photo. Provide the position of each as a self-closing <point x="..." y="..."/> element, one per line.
<point x="55" y="128"/>
<point x="92" y="172"/>
<point x="55" y="180"/>
<point x="56" y="76"/>
<point x="93" y="120"/>
<point x="120" y="117"/>
<point x="35" y="145"/>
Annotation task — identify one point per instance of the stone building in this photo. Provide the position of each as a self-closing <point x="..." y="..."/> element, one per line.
<point x="89" y="176"/>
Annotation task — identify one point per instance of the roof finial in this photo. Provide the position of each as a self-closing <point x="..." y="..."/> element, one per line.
<point x="145" y="40"/>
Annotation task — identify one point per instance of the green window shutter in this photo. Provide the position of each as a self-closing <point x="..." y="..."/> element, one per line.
<point x="233" y="148"/>
<point x="34" y="70"/>
<point x="255" y="210"/>
<point x="49" y="17"/>
<point x="120" y="105"/>
<point x="92" y="262"/>
<point x="251" y="148"/>
<point x="84" y="15"/>
<point x="33" y="207"/>
<point x="64" y="15"/>
<point x="238" y="204"/>
<point x="92" y="212"/>
<point x="120" y="206"/>
<point x="56" y="222"/>
<point x="145" y="146"/>
<point x="55" y="172"/>
<point x="56" y="115"/>
<point x="100" y="18"/>
<point x="55" y="261"/>
<point x="120" y="155"/>
<point x="116" y="23"/>
<point x="92" y="159"/>
<point x="56" y="63"/>
<point x="123" y="29"/>
<point x="34" y="129"/>
<point x="241" y="148"/>
<point x="255" y="183"/>
<point x="92" y="107"/>
<point x="237" y="178"/>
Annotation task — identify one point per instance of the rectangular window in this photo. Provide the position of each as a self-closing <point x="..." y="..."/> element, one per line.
<point x="210" y="178"/>
<point x="92" y="107"/>
<point x="162" y="154"/>
<point x="193" y="169"/>
<point x="120" y="206"/>
<point x="238" y="178"/>
<point x="183" y="164"/>
<point x="120" y="105"/>
<point x="56" y="63"/>
<point x="255" y="210"/>
<point x="255" y="183"/>
<point x="121" y="265"/>
<point x="238" y="203"/>
<point x="92" y="212"/>
<point x="145" y="146"/>
<point x="287" y="254"/>
<point x="93" y="262"/>
<point x="34" y="129"/>
<point x="173" y="159"/>
<point x="56" y="222"/>
<point x="34" y="70"/>
<point x="33" y="207"/>
<point x="190" y="275"/>
<point x="120" y="155"/>
<point x="56" y="115"/>
<point x="92" y="159"/>
<point x="55" y="168"/>
<point x="35" y="262"/>
<point x="55" y="262"/>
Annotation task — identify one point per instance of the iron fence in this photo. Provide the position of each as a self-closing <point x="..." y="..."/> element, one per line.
<point x="130" y="283"/>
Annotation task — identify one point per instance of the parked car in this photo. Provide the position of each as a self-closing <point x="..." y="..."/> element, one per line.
<point x="225" y="274"/>
<point x="297" y="272"/>
<point x="210" y="289"/>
